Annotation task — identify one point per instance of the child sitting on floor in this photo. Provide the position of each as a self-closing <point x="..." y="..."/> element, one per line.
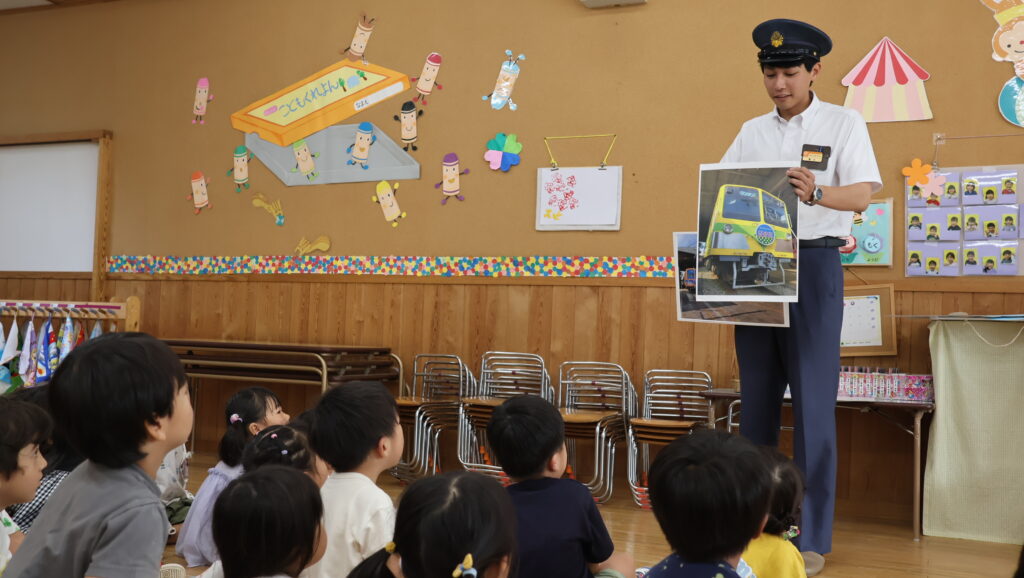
<point x="772" y="553"/>
<point x="458" y="524"/>
<point x="561" y="532"/>
<point x="710" y="492"/>
<point x="248" y="412"/>
<point x="285" y="445"/>
<point x="23" y="428"/>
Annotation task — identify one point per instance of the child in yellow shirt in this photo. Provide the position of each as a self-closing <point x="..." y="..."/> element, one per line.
<point x="772" y="554"/>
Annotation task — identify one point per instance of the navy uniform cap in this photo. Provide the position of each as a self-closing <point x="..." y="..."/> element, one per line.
<point x="783" y="40"/>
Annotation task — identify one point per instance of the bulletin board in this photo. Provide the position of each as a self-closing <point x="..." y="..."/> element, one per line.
<point x="615" y="70"/>
<point x="869" y="321"/>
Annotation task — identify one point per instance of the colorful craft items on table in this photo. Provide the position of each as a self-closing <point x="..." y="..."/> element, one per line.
<point x="503" y="152"/>
<point x="240" y="170"/>
<point x="450" y="184"/>
<point x="386" y="198"/>
<point x="427" y="79"/>
<point x="416" y="265"/>
<point x="410" y="130"/>
<point x="200" y="195"/>
<point x="360" y="150"/>
<point x="887" y="85"/>
<point x="304" y="160"/>
<point x="274" y="208"/>
<point x="1007" y="44"/>
<point x="356" y="49"/>
<point x="507" y="76"/>
<point x="203" y="97"/>
<point x="305" y="247"/>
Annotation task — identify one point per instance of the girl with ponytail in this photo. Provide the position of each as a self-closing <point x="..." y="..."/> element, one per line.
<point x="773" y="553"/>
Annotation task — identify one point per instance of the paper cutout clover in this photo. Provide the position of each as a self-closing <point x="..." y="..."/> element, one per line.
<point x="503" y="152"/>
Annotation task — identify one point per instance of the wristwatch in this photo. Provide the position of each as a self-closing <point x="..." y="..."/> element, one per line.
<point x="815" y="197"/>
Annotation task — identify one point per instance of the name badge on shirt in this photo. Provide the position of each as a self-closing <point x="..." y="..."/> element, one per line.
<point x="815" y="157"/>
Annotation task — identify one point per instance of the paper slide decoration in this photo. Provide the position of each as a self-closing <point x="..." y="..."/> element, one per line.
<point x="427" y="79"/>
<point x="503" y="152"/>
<point x="274" y="208"/>
<point x="200" y="192"/>
<point x="386" y="198"/>
<point x="862" y="321"/>
<point x="685" y="249"/>
<point x="318" y="101"/>
<point x="991" y="258"/>
<point x="240" y="170"/>
<point x="356" y="49"/>
<point x="587" y="198"/>
<point x="203" y="97"/>
<point x="887" y="86"/>
<point x="1006" y="47"/>
<point x="870" y="241"/>
<point x="321" y="244"/>
<point x="334" y="161"/>
<point x="507" y="76"/>
<point x="409" y="124"/>
<point x="450" y="184"/>
<point x="747" y="219"/>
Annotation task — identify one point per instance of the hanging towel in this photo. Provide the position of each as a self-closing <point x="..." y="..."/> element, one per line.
<point x="11" y="346"/>
<point x="97" y="330"/>
<point x="48" y="356"/>
<point x="29" y="351"/>
<point x="79" y="333"/>
<point x="67" y="338"/>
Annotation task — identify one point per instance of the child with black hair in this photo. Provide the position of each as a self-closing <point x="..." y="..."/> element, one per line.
<point x="269" y="523"/>
<point x="122" y="401"/>
<point x="772" y="553"/>
<point x="248" y="412"/>
<point x="457" y="524"/>
<point x="561" y="532"/>
<point x="710" y="493"/>
<point x="285" y="445"/>
<point x="23" y="428"/>
<point x="60" y="457"/>
<point x="356" y="431"/>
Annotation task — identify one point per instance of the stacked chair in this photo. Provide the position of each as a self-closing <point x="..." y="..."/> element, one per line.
<point x="597" y="401"/>
<point x="430" y="407"/>
<point x="502" y="375"/>
<point x="673" y="405"/>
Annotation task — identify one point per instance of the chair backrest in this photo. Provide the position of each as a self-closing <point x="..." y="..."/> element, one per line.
<point x="440" y="377"/>
<point x="508" y="374"/>
<point x="595" y="385"/>
<point x="676" y="394"/>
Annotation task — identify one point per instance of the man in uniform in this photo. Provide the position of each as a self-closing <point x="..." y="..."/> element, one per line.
<point x="836" y="177"/>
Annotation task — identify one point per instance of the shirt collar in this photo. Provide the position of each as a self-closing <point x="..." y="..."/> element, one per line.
<point x="804" y="117"/>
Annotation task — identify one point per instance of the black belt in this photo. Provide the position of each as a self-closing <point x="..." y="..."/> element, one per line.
<point x="822" y="243"/>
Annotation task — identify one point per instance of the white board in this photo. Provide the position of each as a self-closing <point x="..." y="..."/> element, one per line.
<point x="862" y="321"/>
<point x="579" y="198"/>
<point x="48" y="195"/>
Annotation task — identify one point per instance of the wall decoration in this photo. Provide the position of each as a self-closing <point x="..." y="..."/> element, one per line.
<point x="507" y="76"/>
<point x="356" y="50"/>
<point x="450" y="184"/>
<point x="274" y="208"/>
<point x="587" y="198"/>
<point x="409" y="124"/>
<point x="503" y="152"/>
<point x="917" y="173"/>
<point x="869" y="321"/>
<point x="200" y="194"/>
<point x="318" y="101"/>
<point x="1006" y="44"/>
<point x="240" y="170"/>
<point x="203" y="98"/>
<point x="321" y="244"/>
<point x="990" y="258"/>
<point x="427" y="79"/>
<point x="360" y="149"/>
<point x="938" y="259"/>
<point x="305" y="162"/>
<point x="871" y="237"/>
<point x="386" y="197"/>
<point x="887" y="86"/>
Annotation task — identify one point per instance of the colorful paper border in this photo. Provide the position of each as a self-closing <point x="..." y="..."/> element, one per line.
<point x="642" y="266"/>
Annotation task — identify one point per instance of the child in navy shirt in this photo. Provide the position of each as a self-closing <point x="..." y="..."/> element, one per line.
<point x="710" y="492"/>
<point x="560" y="531"/>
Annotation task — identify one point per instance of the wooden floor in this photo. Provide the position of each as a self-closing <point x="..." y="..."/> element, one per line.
<point x="861" y="548"/>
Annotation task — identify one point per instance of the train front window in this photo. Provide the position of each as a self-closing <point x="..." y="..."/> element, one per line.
<point x="742" y="204"/>
<point x="775" y="212"/>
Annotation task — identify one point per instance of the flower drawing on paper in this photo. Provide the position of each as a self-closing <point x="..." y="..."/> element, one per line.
<point x="561" y="192"/>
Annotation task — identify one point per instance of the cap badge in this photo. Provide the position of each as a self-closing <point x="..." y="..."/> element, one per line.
<point x="777" y="39"/>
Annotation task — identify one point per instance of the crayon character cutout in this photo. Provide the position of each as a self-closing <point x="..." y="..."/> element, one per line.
<point x="450" y="182"/>
<point x="200" y="193"/>
<point x="360" y="150"/>
<point x="427" y="79"/>
<point x="357" y="48"/>
<point x="385" y="197"/>
<point x="410" y="130"/>
<point x="240" y="170"/>
<point x="507" y="76"/>
<point x="304" y="162"/>
<point x="203" y="97"/>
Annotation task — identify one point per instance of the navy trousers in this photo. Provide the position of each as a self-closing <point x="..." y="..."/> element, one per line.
<point x="806" y="356"/>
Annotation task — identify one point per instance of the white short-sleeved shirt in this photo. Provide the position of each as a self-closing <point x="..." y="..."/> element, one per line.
<point x="852" y="160"/>
<point x="359" y="519"/>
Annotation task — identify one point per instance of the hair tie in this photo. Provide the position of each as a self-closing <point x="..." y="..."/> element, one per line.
<point x="389" y="547"/>
<point x="466" y="568"/>
<point x="284" y="452"/>
<point x="235" y="418"/>
<point x="791" y="533"/>
<point x="273" y="436"/>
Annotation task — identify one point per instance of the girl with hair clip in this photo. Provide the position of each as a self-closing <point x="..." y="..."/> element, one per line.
<point x="772" y="553"/>
<point x="458" y="524"/>
<point x="247" y="413"/>
<point x="285" y="445"/>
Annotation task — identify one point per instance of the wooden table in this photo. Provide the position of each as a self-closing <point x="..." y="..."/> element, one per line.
<point x="720" y="397"/>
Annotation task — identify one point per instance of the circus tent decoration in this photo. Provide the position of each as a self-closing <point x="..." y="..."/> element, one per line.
<point x="887" y="86"/>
